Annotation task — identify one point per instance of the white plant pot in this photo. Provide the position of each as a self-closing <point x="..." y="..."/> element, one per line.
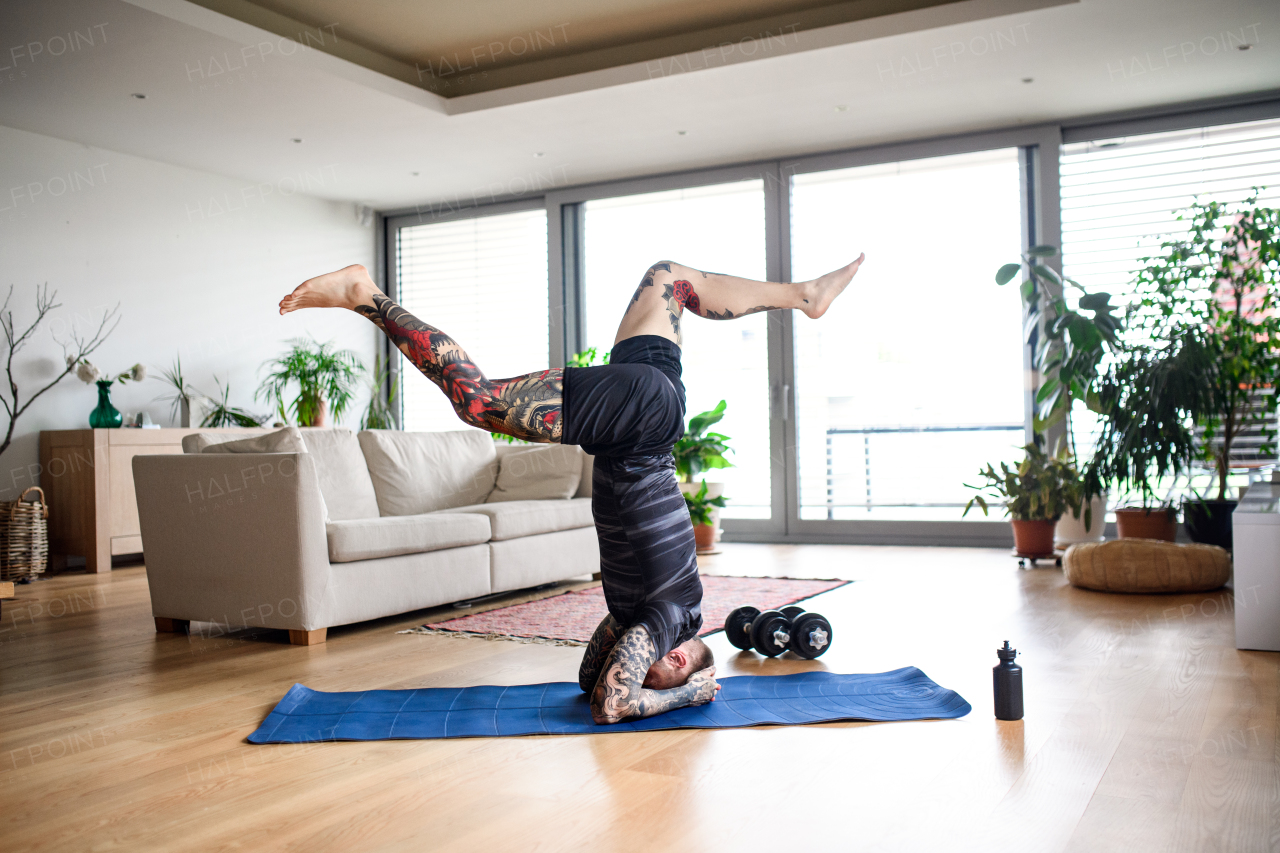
<point x="194" y="410"/>
<point x="714" y="490"/>
<point x="1070" y="529"/>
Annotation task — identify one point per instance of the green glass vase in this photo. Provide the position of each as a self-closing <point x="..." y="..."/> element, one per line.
<point x="106" y="416"/>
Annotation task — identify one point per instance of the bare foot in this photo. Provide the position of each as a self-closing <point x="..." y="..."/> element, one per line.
<point x="346" y="288"/>
<point x="821" y="292"/>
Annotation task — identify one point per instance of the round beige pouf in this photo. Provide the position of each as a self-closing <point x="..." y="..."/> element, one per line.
<point x="1146" y="565"/>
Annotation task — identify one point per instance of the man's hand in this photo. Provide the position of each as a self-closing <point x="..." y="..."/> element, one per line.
<point x="704" y="684"/>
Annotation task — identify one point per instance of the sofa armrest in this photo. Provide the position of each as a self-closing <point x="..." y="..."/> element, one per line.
<point x="236" y="539"/>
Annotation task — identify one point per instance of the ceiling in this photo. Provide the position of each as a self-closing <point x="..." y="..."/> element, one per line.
<point x="228" y="96"/>
<point x="434" y="44"/>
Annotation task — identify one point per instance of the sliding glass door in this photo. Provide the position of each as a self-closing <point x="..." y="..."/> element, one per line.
<point x="914" y="379"/>
<point x="721" y="228"/>
<point x="483" y="280"/>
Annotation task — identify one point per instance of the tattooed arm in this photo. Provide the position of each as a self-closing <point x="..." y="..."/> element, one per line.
<point x="602" y="643"/>
<point x="620" y="693"/>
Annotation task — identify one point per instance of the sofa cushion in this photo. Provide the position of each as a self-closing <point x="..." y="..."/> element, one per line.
<point x="370" y="538"/>
<point x="287" y="440"/>
<point x="344" y="479"/>
<point x="538" y="473"/>
<point x="417" y="472"/>
<point x="513" y="519"/>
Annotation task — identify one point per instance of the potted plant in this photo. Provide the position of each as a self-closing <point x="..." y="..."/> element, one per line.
<point x="701" y="508"/>
<point x="380" y="413"/>
<point x="1222" y="278"/>
<point x="1035" y="494"/>
<point x="325" y="378"/>
<point x="700" y="450"/>
<point x="1067" y="348"/>
<point x="187" y="404"/>
<point x="222" y="414"/>
<point x="1150" y="398"/>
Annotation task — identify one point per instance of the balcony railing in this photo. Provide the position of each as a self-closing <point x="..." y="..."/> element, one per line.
<point x="867" y="432"/>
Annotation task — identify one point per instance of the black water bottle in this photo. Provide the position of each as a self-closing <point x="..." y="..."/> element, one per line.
<point x="1008" y="684"/>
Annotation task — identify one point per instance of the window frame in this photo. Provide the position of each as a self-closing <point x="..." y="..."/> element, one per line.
<point x="1039" y="146"/>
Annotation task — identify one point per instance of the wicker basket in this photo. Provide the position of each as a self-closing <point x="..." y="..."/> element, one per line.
<point x="24" y="537"/>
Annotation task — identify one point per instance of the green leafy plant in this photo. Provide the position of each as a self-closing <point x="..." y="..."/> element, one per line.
<point x="586" y="358"/>
<point x="700" y="505"/>
<point x="1149" y="399"/>
<point x="1041" y="488"/>
<point x="699" y="450"/>
<point x="325" y="378"/>
<point x="223" y="414"/>
<point x="380" y="413"/>
<point x="1067" y="344"/>
<point x="1217" y="288"/>
<point x="183" y="391"/>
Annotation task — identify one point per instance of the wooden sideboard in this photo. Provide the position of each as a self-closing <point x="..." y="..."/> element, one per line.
<point x="87" y="477"/>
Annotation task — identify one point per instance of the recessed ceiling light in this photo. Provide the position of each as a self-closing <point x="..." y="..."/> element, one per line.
<point x="539" y="154"/>
<point x="682" y="132"/>
<point x="139" y="96"/>
<point x="296" y="140"/>
<point x="1028" y="79"/>
<point x="1243" y="46"/>
<point x="841" y="107"/>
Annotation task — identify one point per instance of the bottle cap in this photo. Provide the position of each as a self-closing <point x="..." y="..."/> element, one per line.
<point x="1006" y="653"/>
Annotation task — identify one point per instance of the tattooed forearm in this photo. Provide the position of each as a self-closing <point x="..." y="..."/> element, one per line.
<point x="620" y="693"/>
<point x="597" y="652"/>
<point x="527" y="407"/>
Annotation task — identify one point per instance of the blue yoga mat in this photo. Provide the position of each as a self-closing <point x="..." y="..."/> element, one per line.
<point x="306" y="715"/>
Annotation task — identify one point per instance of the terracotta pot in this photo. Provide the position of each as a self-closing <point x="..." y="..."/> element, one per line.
<point x="322" y="415"/>
<point x="705" y="536"/>
<point x="1033" y="538"/>
<point x="1139" y="523"/>
<point x="714" y="490"/>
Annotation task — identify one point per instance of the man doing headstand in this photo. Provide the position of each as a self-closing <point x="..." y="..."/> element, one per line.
<point x="645" y="656"/>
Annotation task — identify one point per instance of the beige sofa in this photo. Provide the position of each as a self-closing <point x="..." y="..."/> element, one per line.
<point x="339" y="528"/>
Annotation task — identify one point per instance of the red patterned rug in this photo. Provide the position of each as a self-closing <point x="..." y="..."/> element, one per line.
<point x="570" y="618"/>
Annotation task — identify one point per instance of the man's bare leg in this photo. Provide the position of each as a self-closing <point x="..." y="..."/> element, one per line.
<point x="668" y="288"/>
<point x="526" y="407"/>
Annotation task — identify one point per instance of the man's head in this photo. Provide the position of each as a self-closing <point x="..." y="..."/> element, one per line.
<point x="674" y="668"/>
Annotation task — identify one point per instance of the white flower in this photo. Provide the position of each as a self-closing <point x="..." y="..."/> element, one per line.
<point x="138" y="372"/>
<point x="87" y="373"/>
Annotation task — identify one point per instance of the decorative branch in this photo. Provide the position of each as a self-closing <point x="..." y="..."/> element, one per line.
<point x="76" y="348"/>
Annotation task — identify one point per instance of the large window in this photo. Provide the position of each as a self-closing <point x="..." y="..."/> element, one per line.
<point x="1121" y="198"/>
<point x="914" y="379"/>
<point x="718" y="228"/>
<point x="484" y="282"/>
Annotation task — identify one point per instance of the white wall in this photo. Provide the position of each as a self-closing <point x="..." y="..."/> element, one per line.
<point x="196" y="262"/>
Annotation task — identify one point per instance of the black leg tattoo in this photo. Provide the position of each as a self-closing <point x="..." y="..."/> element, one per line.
<point x="647" y="281"/>
<point x="597" y="652"/>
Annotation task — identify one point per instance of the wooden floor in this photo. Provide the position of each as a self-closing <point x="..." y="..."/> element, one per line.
<point x="1146" y="730"/>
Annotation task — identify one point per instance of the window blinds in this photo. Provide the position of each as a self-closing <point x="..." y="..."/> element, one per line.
<point x="1121" y="197"/>
<point x="483" y="281"/>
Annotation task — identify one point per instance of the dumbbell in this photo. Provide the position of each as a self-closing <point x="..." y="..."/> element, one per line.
<point x="772" y="632"/>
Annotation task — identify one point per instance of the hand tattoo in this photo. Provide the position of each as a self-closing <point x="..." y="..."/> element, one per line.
<point x="527" y="407"/>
